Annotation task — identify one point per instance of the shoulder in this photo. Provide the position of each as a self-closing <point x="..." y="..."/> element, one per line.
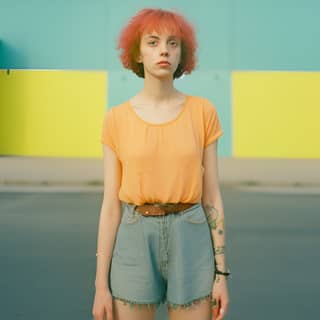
<point x="115" y="111"/>
<point x="206" y="106"/>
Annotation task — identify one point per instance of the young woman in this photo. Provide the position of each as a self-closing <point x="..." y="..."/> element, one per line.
<point x="161" y="230"/>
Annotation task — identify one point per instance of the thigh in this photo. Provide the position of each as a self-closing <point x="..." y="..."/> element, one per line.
<point x="123" y="311"/>
<point x="199" y="311"/>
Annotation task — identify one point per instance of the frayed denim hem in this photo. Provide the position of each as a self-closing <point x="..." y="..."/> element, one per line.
<point x="189" y="304"/>
<point x="131" y="303"/>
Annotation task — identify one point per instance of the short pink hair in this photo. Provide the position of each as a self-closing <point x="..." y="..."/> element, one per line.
<point x="148" y="20"/>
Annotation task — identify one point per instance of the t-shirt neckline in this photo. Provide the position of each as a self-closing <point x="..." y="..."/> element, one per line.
<point x="184" y="107"/>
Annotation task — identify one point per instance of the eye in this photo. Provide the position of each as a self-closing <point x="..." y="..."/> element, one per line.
<point x="153" y="42"/>
<point x="174" y="43"/>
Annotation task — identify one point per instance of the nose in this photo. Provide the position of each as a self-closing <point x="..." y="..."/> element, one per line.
<point x="164" y="53"/>
<point x="164" y="50"/>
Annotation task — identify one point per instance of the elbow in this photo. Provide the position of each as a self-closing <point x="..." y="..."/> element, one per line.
<point x="212" y="199"/>
<point x="111" y="208"/>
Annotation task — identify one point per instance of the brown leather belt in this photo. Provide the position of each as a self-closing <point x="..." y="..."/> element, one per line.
<point x="161" y="209"/>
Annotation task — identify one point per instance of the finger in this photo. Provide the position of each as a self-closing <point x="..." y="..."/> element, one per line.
<point x="109" y="307"/>
<point x="109" y="314"/>
<point x="215" y="313"/>
<point x="99" y="316"/>
<point x="223" y="307"/>
<point x="221" y="313"/>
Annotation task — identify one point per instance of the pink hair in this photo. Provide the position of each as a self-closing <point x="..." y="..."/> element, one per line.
<point x="148" y="20"/>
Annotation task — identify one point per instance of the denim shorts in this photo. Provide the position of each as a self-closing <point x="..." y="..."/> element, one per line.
<point x="163" y="259"/>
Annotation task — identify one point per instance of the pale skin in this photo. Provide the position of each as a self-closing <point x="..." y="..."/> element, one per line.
<point x="157" y="102"/>
<point x="213" y="207"/>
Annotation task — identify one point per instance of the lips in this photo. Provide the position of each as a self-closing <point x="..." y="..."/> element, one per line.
<point x="164" y="63"/>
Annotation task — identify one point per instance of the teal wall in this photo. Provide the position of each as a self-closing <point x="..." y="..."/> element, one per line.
<point x="232" y="34"/>
<point x="57" y="34"/>
<point x="275" y="35"/>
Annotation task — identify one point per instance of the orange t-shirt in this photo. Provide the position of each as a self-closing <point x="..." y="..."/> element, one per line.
<point x="161" y="162"/>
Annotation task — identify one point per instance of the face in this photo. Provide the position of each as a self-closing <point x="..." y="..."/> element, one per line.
<point x="156" y="48"/>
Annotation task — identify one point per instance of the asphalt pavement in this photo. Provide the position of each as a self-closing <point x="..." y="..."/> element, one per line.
<point x="48" y="245"/>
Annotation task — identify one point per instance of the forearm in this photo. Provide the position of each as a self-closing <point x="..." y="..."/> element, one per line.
<point x="215" y="216"/>
<point x="109" y="221"/>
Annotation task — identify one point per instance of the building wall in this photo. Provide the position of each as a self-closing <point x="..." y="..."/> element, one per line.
<point x="257" y="62"/>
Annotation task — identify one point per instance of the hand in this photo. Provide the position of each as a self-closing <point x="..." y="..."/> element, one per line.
<point x="220" y="298"/>
<point x="102" y="305"/>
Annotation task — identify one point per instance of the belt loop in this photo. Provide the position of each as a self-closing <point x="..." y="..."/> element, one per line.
<point x="133" y="208"/>
<point x="130" y="206"/>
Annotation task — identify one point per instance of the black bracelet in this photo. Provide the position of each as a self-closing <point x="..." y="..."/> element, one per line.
<point x="226" y="274"/>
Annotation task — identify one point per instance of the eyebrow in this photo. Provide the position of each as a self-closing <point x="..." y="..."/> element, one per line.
<point x="156" y="37"/>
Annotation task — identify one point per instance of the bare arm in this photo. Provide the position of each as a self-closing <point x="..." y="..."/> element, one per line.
<point x="213" y="205"/>
<point x="110" y="216"/>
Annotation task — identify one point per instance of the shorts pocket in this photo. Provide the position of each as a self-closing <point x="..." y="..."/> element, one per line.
<point x="196" y="216"/>
<point x="191" y="248"/>
<point x="129" y="247"/>
<point x="129" y="217"/>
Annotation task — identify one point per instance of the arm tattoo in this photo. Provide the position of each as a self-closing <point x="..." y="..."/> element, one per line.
<point x="217" y="278"/>
<point x="212" y="215"/>
<point x="219" y="250"/>
<point x="215" y="220"/>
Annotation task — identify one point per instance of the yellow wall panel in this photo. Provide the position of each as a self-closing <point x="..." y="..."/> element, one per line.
<point x="55" y="113"/>
<point x="276" y="114"/>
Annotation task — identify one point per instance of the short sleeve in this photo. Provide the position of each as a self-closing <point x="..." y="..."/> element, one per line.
<point x="212" y="124"/>
<point x="108" y="130"/>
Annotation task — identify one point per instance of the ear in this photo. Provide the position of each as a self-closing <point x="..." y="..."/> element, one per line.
<point x="139" y="58"/>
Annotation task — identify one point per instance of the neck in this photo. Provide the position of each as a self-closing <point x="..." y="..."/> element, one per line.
<point x="158" y="90"/>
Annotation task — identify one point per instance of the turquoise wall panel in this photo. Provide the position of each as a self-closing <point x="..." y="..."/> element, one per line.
<point x="39" y="34"/>
<point x="233" y="34"/>
<point x="275" y="35"/>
